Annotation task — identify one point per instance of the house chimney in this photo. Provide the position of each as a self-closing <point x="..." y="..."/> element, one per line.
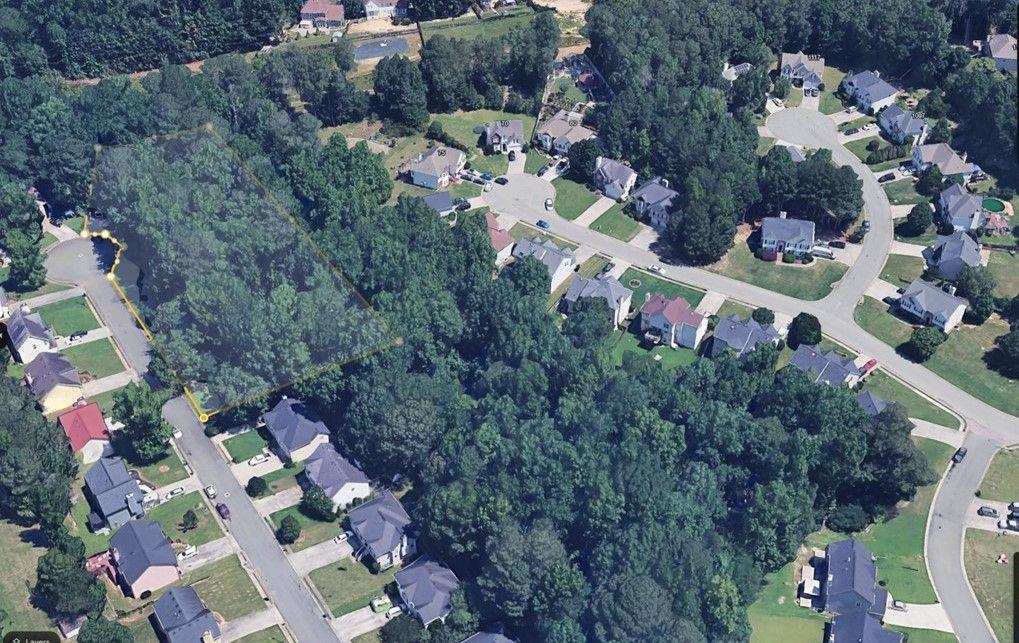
<point x="782" y="214"/>
<point x="877" y="73"/>
<point x="664" y="182"/>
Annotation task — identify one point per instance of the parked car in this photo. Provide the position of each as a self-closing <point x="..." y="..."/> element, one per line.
<point x="907" y="169"/>
<point x="837" y="244"/>
<point x="543" y="224"/>
<point x="960" y="455"/>
<point x="393" y="612"/>
<point x="891" y="301"/>
<point x="1008" y="523"/>
<point x="223" y="511"/>
<point x="549" y="203"/>
<point x="1013" y="506"/>
<point x="777" y="101"/>
<point x="851" y="109"/>
<point x="869" y="126"/>
<point x="819" y="251"/>
<point x="487" y="177"/>
<point x="190" y="552"/>
<point x="563" y="165"/>
<point x="502" y="180"/>
<point x="344" y="536"/>
<point x="608" y="267"/>
<point x="654" y="268"/>
<point x="210" y="491"/>
<point x="851" y="131"/>
<point x="258" y="459"/>
<point x="76" y="335"/>
<point x="460" y="207"/>
<point x="173" y="493"/>
<point x="866" y="224"/>
<point x="513" y="155"/>
<point x="988" y="512"/>
<point x="544" y="168"/>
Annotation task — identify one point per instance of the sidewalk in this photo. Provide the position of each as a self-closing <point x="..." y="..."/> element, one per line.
<point x="924" y="429"/>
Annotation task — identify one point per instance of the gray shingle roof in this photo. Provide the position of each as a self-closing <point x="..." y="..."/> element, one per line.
<point x="566" y="127"/>
<point x="871" y="404"/>
<point x="331" y="471"/>
<point x="141" y="544"/>
<point x="487" y="637"/>
<point x="932" y="299"/>
<point x="795" y="153"/>
<point x="860" y="628"/>
<point x="380" y="523"/>
<point x="22" y="326"/>
<point x="654" y="193"/>
<point x="902" y="120"/>
<point x="545" y="251"/>
<point x="851" y="577"/>
<point x="945" y="158"/>
<point x="873" y="84"/>
<point x="607" y="288"/>
<point x="113" y="488"/>
<point x="792" y="231"/>
<point x="183" y="617"/>
<point x="506" y="131"/>
<point x="611" y="172"/>
<point x="429" y="587"/>
<point x="826" y="367"/>
<point x="1001" y="45"/>
<point x="961" y="207"/>
<point x="293" y="424"/>
<point x="440" y="202"/>
<point x="48" y="371"/>
<point x="956" y="246"/>
<point x="440" y="160"/>
<point x="741" y="335"/>
<point x="803" y="65"/>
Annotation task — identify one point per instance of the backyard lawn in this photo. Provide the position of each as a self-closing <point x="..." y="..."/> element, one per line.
<point x="226" y="588"/>
<point x="992" y="581"/>
<point x="313" y="531"/>
<point x="572" y="198"/>
<point x="641" y="283"/>
<point x="20" y="549"/>
<point x="764" y="144"/>
<point x="98" y="359"/>
<point x="68" y="316"/>
<point x="810" y="282"/>
<point x="888" y="388"/>
<point x="1005" y="269"/>
<point x="244" y="446"/>
<point x="1002" y="479"/>
<point x="616" y="224"/>
<point x="522" y="230"/>
<point x="901" y="270"/>
<point x="169" y="516"/>
<point x="902" y="192"/>
<point x="269" y="635"/>
<point x="776" y="618"/>
<point x="569" y="88"/>
<point x="829" y="103"/>
<point x="621" y="343"/>
<point x="461" y="125"/>
<point x="347" y="585"/>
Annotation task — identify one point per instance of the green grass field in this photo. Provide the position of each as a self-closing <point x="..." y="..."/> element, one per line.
<point x="616" y="224"/>
<point x="794" y="98"/>
<point x="810" y="282"/>
<point x="166" y="470"/>
<point x="569" y="89"/>
<point x="281" y="479"/>
<point x="901" y="270"/>
<point x="468" y="27"/>
<point x="534" y="161"/>
<point x="313" y="531"/>
<point x="226" y="588"/>
<point x="461" y="125"/>
<point x="857" y="123"/>
<point x="105" y="400"/>
<point x="764" y="144"/>
<point x="169" y="515"/>
<point x="621" y="343"/>
<point x="991" y="581"/>
<point x="98" y="359"/>
<point x="649" y="283"/>
<point x="572" y="198"/>
<point x="20" y="549"/>
<point x="1005" y="269"/>
<point x="494" y="164"/>
<point x="829" y="103"/>
<point x="269" y="635"/>
<point x="1002" y="479"/>
<point x="888" y="388"/>
<point x="69" y="316"/>
<point x="348" y="585"/>
<point x="244" y="446"/>
<point x="522" y="230"/>
<point x="902" y="192"/>
<point x="368" y="637"/>
<point x="730" y="307"/>
<point x="905" y="234"/>
<point x="859" y="148"/>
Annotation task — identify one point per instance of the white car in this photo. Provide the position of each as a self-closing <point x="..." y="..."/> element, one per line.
<point x="173" y="493"/>
<point x="851" y="109"/>
<point x="393" y="612"/>
<point x="488" y="186"/>
<point x="654" y="268"/>
<point x="344" y="536"/>
<point x="210" y="491"/>
<point x="188" y="553"/>
<point x="549" y="204"/>
<point x="258" y="459"/>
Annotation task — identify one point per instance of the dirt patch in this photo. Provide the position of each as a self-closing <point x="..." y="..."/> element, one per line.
<point x="163" y="468"/>
<point x="377" y="28"/>
<point x="566" y="6"/>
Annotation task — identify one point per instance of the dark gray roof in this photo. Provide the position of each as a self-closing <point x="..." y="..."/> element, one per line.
<point x="826" y="367"/>
<point x="791" y="231"/>
<point x="22" y="326"/>
<point x="141" y="544"/>
<point x="487" y="637"/>
<point x="183" y="617"/>
<point x="902" y="119"/>
<point x="610" y="171"/>
<point x="740" y="335"/>
<point x="3" y="297"/>
<point x="932" y="299"/>
<point x="293" y="424"/>
<point x="48" y="371"/>
<point x="860" y="628"/>
<point x="962" y="207"/>
<point x="113" y="488"/>
<point x="801" y="65"/>
<point x="850" y="580"/>
<point x="428" y="587"/>
<point x="956" y="246"/>
<point x="545" y="251"/>
<point x="331" y="471"/>
<point x="872" y="83"/>
<point x="654" y="193"/>
<point x="441" y="202"/>
<point x="379" y="524"/>
<point x="607" y="288"/>
<point x="872" y="404"/>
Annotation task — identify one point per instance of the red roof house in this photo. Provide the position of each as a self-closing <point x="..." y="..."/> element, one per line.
<point x="673" y="320"/>
<point x="83" y="424"/>
<point x="322" y="14"/>
<point x="502" y="241"/>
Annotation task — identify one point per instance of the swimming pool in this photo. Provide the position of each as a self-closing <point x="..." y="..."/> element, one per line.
<point x="379" y="48"/>
<point x="993" y="205"/>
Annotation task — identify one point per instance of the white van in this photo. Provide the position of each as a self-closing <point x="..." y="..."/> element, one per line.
<point x="819" y="251"/>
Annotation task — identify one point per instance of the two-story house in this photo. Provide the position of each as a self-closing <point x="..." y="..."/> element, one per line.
<point x="143" y="557"/>
<point x="322" y="14"/>
<point x="381" y="527"/>
<point x="869" y="91"/>
<point x="613" y="178"/>
<point x="942" y="156"/>
<point x="504" y="136"/>
<point x="963" y="210"/>
<point x="615" y="294"/>
<point x="783" y="234"/>
<point x="113" y="494"/>
<point x="426" y="588"/>
<point x="932" y="306"/>
<point x="672" y="320"/>
<point x="435" y="168"/>
<point x="654" y="201"/>
<point x="54" y="382"/>
<point x="560" y="262"/>
<point x="558" y="134"/>
<point x="296" y="429"/>
<point x="1001" y="47"/>
<point x="899" y="125"/>
<point x="950" y="254"/>
<point x="805" y="70"/>
<point x="28" y="335"/>
<point x="341" y="480"/>
<point x="374" y="9"/>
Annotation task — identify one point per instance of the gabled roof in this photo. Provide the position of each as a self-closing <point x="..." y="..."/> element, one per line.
<point x="871" y="82"/>
<point x="871" y="404"/>
<point x="328" y="469"/>
<point x="379" y="523"/>
<point x="607" y="288"/>
<point x="183" y="617"/>
<point x="741" y="335"/>
<point x="850" y="571"/>
<point x="440" y="202"/>
<point x="499" y="237"/>
<point x="654" y="193"/>
<point x="610" y="171"/>
<point x="795" y="153"/>
<point x="438" y="161"/>
<point x="960" y="206"/>
<point x="3" y="298"/>
<point x="293" y="424"/>
<point x="1001" y="46"/>
<point x="803" y="65"/>
<point x="545" y="251"/>
<point x="113" y="488"/>
<point x="487" y="637"/>
<point x="945" y="158"/>
<point x="826" y="367"/>
<point x="932" y="299"/>
<point x="860" y="628"/>
<point x="507" y="131"/>
<point x="48" y="371"/>
<point x="139" y="545"/>
<point x="327" y="10"/>
<point x="566" y="127"/>
<point x="793" y="231"/>
<point x="956" y="246"/>
<point x="676" y="310"/>
<point x="22" y="326"/>
<point x="902" y="120"/>
<point x="429" y="587"/>
<point x="83" y="424"/>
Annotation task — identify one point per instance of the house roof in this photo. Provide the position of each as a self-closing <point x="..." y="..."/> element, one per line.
<point x="379" y="523"/>
<point x="827" y="367"/>
<point x="903" y="120"/>
<point x="731" y="73"/>
<point x="331" y="471"/>
<point x="962" y="207"/>
<point x="871" y="82"/>
<point x="860" y="628"/>
<point x="83" y="424"/>
<point x="487" y="637"/>
<point x="741" y="335"/>
<point x="545" y="251"/>
<point x="871" y="404"/>
<point x="956" y="246"/>
<point x="654" y="193"/>
<point x="22" y="326"/>
<point x="609" y="172"/>
<point x="438" y="161"/>
<point x="428" y="586"/>
<point x="945" y="158"/>
<point x="113" y="488"/>
<point x="139" y="545"/>
<point x="441" y="202"/>
<point x="566" y="126"/>
<point x="792" y="231"/>
<point x="803" y="65"/>
<point x="183" y="617"/>
<point x="293" y="424"/>
<point x="507" y="131"/>
<point x="607" y="288"/>
<point x="675" y="310"/>
<point x="3" y="297"/>
<point x="499" y="237"/>
<point x="796" y="153"/>
<point x="327" y="10"/>
<point x="48" y="371"/>
<point x="932" y="299"/>
<point x="1002" y="46"/>
<point x="850" y="569"/>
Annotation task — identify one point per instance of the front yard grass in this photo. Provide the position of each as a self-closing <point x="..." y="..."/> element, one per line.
<point x="69" y="316"/>
<point x="1002" y="479"/>
<point x="764" y="144"/>
<point x="521" y="230"/>
<point x="904" y="233"/>
<point x="169" y="515"/>
<point x="269" y="635"/>
<point x="98" y="359"/>
<point x="464" y="190"/>
<point x="282" y="479"/>
<point x="347" y="585"/>
<point x="641" y="283"/>
<point x="226" y="588"/>
<point x="105" y="400"/>
<point x="857" y="123"/>
<point x="20" y="550"/>
<point x="12" y="289"/>
<point x="494" y="164"/>
<point x="794" y="98"/>
<point x="888" y="388"/>
<point x="829" y="103"/>
<point x="859" y="148"/>
<point x="615" y="223"/>
<point x="572" y="198"/>
<point x="903" y="192"/>
<point x="901" y="270"/>
<point x="730" y="307"/>
<point x="244" y="446"/>
<point x="992" y="581"/>
<point x="810" y="282"/>
<point x="1005" y="269"/>
<point x="166" y="470"/>
<point x="534" y="161"/>
<point x="313" y="531"/>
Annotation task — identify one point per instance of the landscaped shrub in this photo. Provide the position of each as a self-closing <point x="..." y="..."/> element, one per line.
<point x="808" y="259"/>
<point x="763" y="316"/>
<point x="788" y="257"/>
<point x="257" y="487"/>
<point x="848" y="519"/>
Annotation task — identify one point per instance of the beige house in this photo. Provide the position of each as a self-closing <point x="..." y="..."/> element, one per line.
<point x="144" y="558"/>
<point x="54" y="382"/>
<point x="558" y="134"/>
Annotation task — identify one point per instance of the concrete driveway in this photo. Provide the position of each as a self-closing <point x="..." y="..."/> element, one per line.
<point x="524" y="197"/>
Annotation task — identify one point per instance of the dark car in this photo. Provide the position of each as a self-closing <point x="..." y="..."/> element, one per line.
<point x="837" y="244"/>
<point x="76" y="335"/>
<point x="541" y="172"/>
<point x="988" y="512"/>
<point x="502" y="180"/>
<point x="460" y="207"/>
<point x="891" y="301"/>
<point x="513" y="155"/>
<point x="887" y="177"/>
<point x="960" y="455"/>
<point x="487" y="177"/>
<point x="543" y="224"/>
<point x="851" y="131"/>
<point x="223" y="510"/>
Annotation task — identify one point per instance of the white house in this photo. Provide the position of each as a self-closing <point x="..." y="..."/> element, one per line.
<point x="560" y="262"/>
<point x="673" y="320"/>
<point x="435" y="168"/>
<point x="384" y="9"/>
<point x="502" y="241"/>
<point x="654" y="201"/>
<point x="341" y="481"/>
<point x="613" y="178"/>
<point x="783" y="234"/>
<point x="806" y="70"/>
<point x="869" y="91"/>
<point x="614" y="293"/>
<point x="944" y="158"/>
<point x="382" y="531"/>
<point x="504" y="136"/>
<point x="1001" y="47"/>
<point x="932" y="306"/>
<point x="426" y="588"/>
<point x="899" y="124"/>
<point x="5" y="304"/>
<point x="28" y="336"/>
<point x="560" y="132"/>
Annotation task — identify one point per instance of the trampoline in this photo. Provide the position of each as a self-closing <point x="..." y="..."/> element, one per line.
<point x="380" y="48"/>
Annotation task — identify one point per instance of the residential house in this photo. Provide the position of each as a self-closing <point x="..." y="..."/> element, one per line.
<point x="382" y="529"/>
<point x="932" y="306"/>
<point x="783" y="234"/>
<point x="899" y="124"/>
<point x="859" y="628"/>
<point x="732" y="72"/>
<point x="560" y="262"/>
<point x="53" y="381"/>
<point x="28" y="335"/>
<point x="850" y="585"/>
<point x="441" y="202"/>
<point x="655" y="200"/>
<point x="869" y="91"/>
<point x="872" y="404"/>
<point x="673" y="320"/>
<point x="504" y="136"/>
<point x="944" y="157"/>
<point x="613" y="178"/>
<point x="615" y="294"/>
<point x="182" y="617"/>
<point x="296" y="429"/>
<point x="1002" y="48"/>
<point x="796" y="153"/>
<point x="950" y="254"/>
<point x="144" y="558"/>
<point x="384" y="8"/>
<point x="487" y="637"/>
<point x="502" y="241"/>
<point x="341" y="481"/>
<point x="806" y="70"/>
<point x="560" y="132"/>
<point x="435" y="168"/>
<point x="5" y="304"/>
<point x="323" y="14"/>
<point x="113" y="494"/>
<point x="965" y="211"/>
<point x="741" y="336"/>
<point x="426" y="588"/>
<point x="826" y="367"/>
<point x="86" y="430"/>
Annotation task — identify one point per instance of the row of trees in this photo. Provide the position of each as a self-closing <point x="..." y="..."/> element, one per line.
<point x="814" y="189"/>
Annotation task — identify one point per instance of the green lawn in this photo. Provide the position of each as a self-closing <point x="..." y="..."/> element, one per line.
<point x="244" y="446"/>
<point x="98" y="359"/>
<point x="764" y="144"/>
<point x="69" y="315"/>
<point x="75" y="223"/>
<point x="991" y="581"/>
<point x="857" y="123"/>
<point x="923" y="636"/>
<point x="622" y="342"/>
<point x="901" y="270"/>
<point x="810" y="282"/>
<point x="12" y="288"/>
<point x="902" y="192"/>
<point x="461" y="125"/>
<point x="829" y="103"/>
<point x="730" y="307"/>
<point x="794" y="98"/>
<point x="522" y="230"/>
<point x="468" y="27"/>
<point x="169" y="515"/>
<point x="1005" y="269"/>
<point x="905" y="234"/>
<point x="534" y="161"/>
<point x="105" y="400"/>
<point x="859" y="148"/>
<point x="313" y="531"/>
<point x="281" y="479"/>
<point x="641" y="283"/>
<point x="959" y="360"/>
<point x="572" y="198"/>
<point x="1002" y="479"/>
<point x="226" y="588"/>
<point x="888" y="388"/>
<point x="465" y="190"/>
<point x="20" y="549"/>
<point x="348" y="585"/>
<point x="167" y="470"/>
<point x="572" y="93"/>
<point x="269" y="635"/>
<point x="616" y="224"/>
<point x="776" y="618"/>
<point x="368" y="637"/>
<point x="494" y="164"/>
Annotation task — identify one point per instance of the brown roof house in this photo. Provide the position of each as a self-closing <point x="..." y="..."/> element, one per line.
<point x="1002" y="48"/>
<point x="944" y="158"/>
<point x="559" y="133"/>
<point x="673" y="321"/>
<point x="320" y="13"/>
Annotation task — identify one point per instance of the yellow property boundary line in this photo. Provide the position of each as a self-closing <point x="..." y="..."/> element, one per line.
<point x="203" y="414"/>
